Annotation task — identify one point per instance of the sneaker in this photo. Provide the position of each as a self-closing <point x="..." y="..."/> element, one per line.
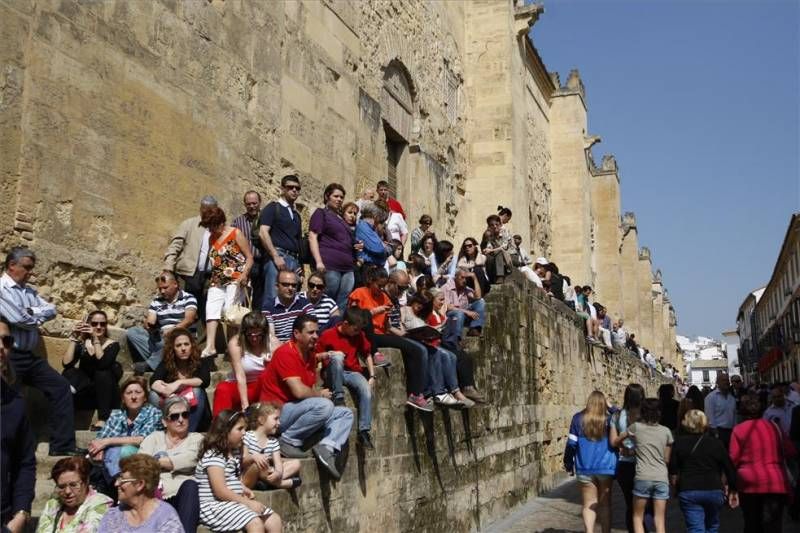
<point x="466" y="402"/>
<point x="418" y="401"/>
<point x="473" y="394"/>
<point x="327" y="458"/>
<point x="140" y="368"/>
<point x="292" y="451"/>
<point x="446" y="399"/>
<point x="380" y="360"/>
<point x="365" y="440"/>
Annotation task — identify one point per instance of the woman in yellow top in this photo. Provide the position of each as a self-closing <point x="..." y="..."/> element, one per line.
<point x="77" y="507"/>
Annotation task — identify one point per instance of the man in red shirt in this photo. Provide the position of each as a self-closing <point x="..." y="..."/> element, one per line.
<point x="383" y="194"/>
<point x="346" y="342"/>
<point x="289" y="380"/>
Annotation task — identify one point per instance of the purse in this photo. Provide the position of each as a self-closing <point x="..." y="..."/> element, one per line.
<point x="234" y="314"/>
<point x="188" y="394"/>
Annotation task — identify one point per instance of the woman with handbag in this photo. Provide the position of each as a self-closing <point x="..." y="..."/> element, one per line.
<point x="184" y="373"/>
<point x="90" y="366"/>
<point x="231" y="260"/>
<point x="759" y="450"/>
<point x="696" y="466"/>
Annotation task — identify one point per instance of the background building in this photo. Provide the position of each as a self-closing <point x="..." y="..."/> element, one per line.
<point x="748" y="336"/>
<point x="703" y="359"/>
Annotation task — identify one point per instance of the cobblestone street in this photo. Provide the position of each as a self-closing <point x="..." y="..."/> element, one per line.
<point x="559" y="511"/>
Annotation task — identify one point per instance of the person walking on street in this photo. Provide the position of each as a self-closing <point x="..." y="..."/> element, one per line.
<point x="720" y="408"/>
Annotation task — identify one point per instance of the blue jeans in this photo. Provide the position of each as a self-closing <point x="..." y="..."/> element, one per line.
<point x="271" y="276"/>
<point x="195" y="413"/>
<point x="301" y="419"/>
<point x="441" y="371"/>
<point x="456" y="320"/>
<point x="339" y="285"/>
<point x="701" y="510"/>
<point x="357" y="384"/>
<point x="148" y="345"/>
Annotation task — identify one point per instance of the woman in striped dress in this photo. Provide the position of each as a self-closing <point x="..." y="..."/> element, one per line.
<point x="225" y="503"/>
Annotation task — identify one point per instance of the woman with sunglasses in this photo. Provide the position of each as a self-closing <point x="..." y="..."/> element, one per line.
<point x="325" y="309"/>
<point x="176" y="451"/>
<point x="90" y="366"/>
<point x="470" y="258"/>
<point x="139" y="510"/>
<point x="76" y="507"/>
<point x="249" y="354"/>
<point x="183" y="373"/>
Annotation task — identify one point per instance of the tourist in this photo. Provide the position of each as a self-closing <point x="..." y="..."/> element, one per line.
<point x="495" y="246"/>
<point x="590" y="457"/>
<point x="759" y="452"/>
<point x="139" y="509"/>
<point x="283" y="309"/>
<point x="472" y="260"/>
<point x="187" y="256"/>
<point x="345" y="345"/>
<point x="684" y="406"/>
<point x="183" y="373"/>
<point x="425" y="223"/>
<point x="289" y="380"/>
<point x="269" y="469"/>
<point x="443" y="262"/>
<point x="604" y="325"/>
<point x="226" y="504"/>
<point x="17" y="444"/>
<point x="586" y="311"/>
<point x="668" y="405"/>
<point x="172" y="308"/>
<point x="619" y="336"/>
<point x="522" y="261"/>
<point x="248" y="224"/>
<point x="465" y="365"/>
<point x="249" y="354"/>
<point x="557" y="284"/>
<point x="91" y="367"/>
<point x="76" y="506"/>
<point x="416" y="270"/>
<point x="25" y="312"/>
<point x="694" y="394"/>
<point x="374" y="251"/>
<point x="465" y="307"/>
<point x="231" y="260"/>
<point x="653" y="447"/>
<point x="395" y="259"/>
<point x="280" y="232"/>
<point x="324" y="308"/>
<point x="368" y="196"/>
<point x="331" y="243"/>
<point x="505" y="217"/>
<point x="427" y="250"/>
<point x="373" y="299"/>
<point x="720" y="408"/>
<point x="125" y="428"/>
<point x="176" y="451"/>
<point x="626" y="466"/>
<point x="698" y="461"/>
<point x="383" y="194"/>
<point x="779" y="411"/>
<point x="396" y="227"/>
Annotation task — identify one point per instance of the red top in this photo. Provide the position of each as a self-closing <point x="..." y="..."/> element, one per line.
<point x="286" y="362"/>
<point x="435" y="320"/>
<point x="364" y="299"/>
<point x="334" y="340"/>
<point x="756" y="453"/>
<point x="395" y="206"/>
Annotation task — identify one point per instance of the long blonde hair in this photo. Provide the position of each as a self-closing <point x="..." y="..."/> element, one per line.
<point x="594" y="416"/>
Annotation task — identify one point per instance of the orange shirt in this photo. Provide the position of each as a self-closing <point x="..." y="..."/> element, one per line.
<point x="364" y="299"/>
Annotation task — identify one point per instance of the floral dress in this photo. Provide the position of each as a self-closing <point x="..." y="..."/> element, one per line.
<point x="86" y="520"/>
<point x="227" y="260"/>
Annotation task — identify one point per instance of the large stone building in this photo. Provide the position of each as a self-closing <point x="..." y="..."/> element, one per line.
<point x="118" y="116"/>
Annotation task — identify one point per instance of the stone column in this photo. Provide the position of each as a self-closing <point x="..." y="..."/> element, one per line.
<point x="645" y="274"/>
<point x="630" y="273"/>
<point x="607" y="256"/>
<point x="657" y="344"/>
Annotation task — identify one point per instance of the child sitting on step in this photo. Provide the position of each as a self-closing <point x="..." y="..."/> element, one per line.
<point x="269" y="469"/>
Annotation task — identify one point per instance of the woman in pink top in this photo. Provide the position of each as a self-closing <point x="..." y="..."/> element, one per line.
<point x="758" y="451"/>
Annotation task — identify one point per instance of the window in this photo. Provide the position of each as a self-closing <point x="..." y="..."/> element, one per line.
<point x="706" y="377"/>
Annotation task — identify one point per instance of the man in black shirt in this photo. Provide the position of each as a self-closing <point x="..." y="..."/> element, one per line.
<point x="280" y="234"/>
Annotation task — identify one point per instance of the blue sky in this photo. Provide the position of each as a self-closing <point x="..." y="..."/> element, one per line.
<point x="698" y="101"/>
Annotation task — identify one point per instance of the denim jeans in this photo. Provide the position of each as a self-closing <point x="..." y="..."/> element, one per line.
<point x="356" y="383"/>
<point x="301" y="419"/>
<point x="195" y="413"/>
<point x="339" y="285"/>
<point x="456" y="320"/>
<point x="271" y="276"/>
<point x="415" y="358"/>
<point x="441" y="371"/>
<point x="148" y="345"/>
<point x="701" y="510"/>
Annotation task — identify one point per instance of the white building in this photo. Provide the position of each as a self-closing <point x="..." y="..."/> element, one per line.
<point x="704" y="358"/>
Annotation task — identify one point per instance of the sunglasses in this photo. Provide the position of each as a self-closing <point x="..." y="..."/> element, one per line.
<point x="177" y="416"/>
<point x="292" y="187"/>
<point x="98" y="324"/>
<point x="7" y="341"/>
<point x="318" y="286"/>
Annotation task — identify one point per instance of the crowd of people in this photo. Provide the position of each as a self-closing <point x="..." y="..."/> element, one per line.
<point x="300" y="319"/>
<point x="731" y="446"/>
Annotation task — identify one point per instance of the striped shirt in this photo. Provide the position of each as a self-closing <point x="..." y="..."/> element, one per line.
<point x="233" y="472"/>
<point x="169" y="314"/>
<point x="249" y="229"/>
<point x="253" y="446"/>
<point x="323" y="310"/>
<point x="222" y="515"/>
<point x="281" y="317"/>
<point x="25" y="311"/>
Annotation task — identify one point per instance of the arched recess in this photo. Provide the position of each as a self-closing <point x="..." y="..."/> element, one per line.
<point x="398" y="111"/>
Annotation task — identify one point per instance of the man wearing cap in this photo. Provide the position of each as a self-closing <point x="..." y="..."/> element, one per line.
<point x="187" y="255"/>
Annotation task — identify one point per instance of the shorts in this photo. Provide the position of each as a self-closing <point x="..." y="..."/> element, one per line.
<point x="658" y="490"/>
<point x="219" y="299"/>
<point x="593" y="478"/>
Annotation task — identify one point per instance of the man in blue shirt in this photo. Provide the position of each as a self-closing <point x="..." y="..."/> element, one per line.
<point x="280" y="234"/>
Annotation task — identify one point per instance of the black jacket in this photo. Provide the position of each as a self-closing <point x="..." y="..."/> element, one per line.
<point x="17" y="454"/>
